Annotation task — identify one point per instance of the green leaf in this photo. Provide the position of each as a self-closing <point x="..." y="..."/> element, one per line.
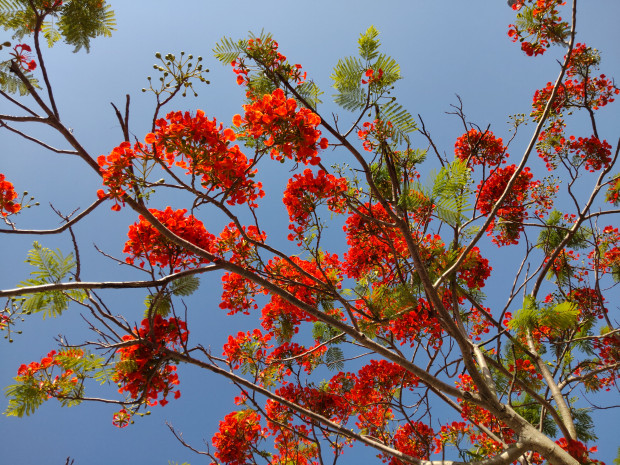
<point x="369" y="44"/>
<point x="561" y="316"/>
<point x="334" y="358"/>
<point x="448" y="190"/>
<point x="159" y="304"/>
<point x="24" y="399"/>
<point x="185" y="286"/>
<point x="11" y="84"/>
<point x="584" y="425"/>
<point x="81" y="21"/>
<point x="228" y="50"/>
<point x="51" y="268"/>
<point x="402" y="120"/>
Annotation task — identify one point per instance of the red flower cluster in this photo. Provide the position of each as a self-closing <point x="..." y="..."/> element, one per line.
<point x="202" y="147"/>
<point x="290" y="133"/>
<point x="238" y="435"/>
<point x="371" y="77"/>
<point x="376" y="133"/>
<point x="581" y="89"/>
<point x="148" y="245"/>
<point x="305" y="192"/>
<point x="7" y="196"/>
<point x="475" y="270"/>
<point x="265" y="53"/>
<point x="479" y="415"/>
<point x="595" y="153"/>
<point x="588" y="302"/>
<point x="478" y="148"/>
<point x="512" y="212"/>
<point x="21" y="54"/>
<point x="194" y="143"/>
<point x="578" y="450"/>
<point x="372" y="246"/>
<point x="414" y="325"/>
<point x="547" y="27"/>
<point x="143" y="370"/>
<point x="117" y="172"/>
<point x="281" y="317"/>
<point x="525" y="368"/>
<point x="450" y="434"/>
<point x="246" y="348"/>
<point x="609" y="250"/>
<point x="613" y="192"/>
<point x="40" y="376"/>
<point x="608" y="351"/>
<point x="414" y="439"/>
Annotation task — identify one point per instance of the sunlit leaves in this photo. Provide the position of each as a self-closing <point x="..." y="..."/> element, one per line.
<point x="51" y="267"/>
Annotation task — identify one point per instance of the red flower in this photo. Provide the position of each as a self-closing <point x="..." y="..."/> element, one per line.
<point x="21" y="53"/>
<point x="480" y="148"/>
<point x="8" y="206"/>
<point x="289" y="132"/>
<point x="148" y="245"/>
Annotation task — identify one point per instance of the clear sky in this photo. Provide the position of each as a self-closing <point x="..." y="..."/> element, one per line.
<point x="445" y="47"/>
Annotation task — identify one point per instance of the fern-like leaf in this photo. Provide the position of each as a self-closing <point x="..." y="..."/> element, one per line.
<point x="84" y="20"/>
<point x="369" y="44"/>
<point x="400" y="118"/>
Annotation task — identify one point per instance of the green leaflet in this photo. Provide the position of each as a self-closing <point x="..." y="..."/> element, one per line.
<point x="447" y="191"/>
<point x="51" y="267"/>
<point x="77" y="22"/>
<point x="369" y="44"/>
<point x="560" y="316"/>
<point x="185" y="286"/>
<point x="161" y="303"/>
<point x="352" y="95"/>
<point x="334" y="358"/>
<point x="551" y="237"/>
<point x="228" y="50"/>
<point x="11" y="84"/>
<point x="402" y="120"/>
<point x="26" y="396"/>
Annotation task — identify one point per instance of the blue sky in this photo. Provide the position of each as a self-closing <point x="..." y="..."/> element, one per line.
<point x="444" y="47"/>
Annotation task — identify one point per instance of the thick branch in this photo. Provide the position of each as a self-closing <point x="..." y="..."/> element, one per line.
<point x="105" y="284"/>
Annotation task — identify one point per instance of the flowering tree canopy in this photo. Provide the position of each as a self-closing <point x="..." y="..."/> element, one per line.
<point x="361" y="328"/>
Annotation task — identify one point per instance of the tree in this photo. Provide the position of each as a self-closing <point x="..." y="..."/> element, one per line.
<point x="394" y="306"/>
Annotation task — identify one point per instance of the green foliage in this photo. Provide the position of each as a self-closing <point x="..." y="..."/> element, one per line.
<point x="322" y="332"/>
<point x="75" y="21"/>
<point x="369" y="44"/>
<point x="529" y="409"/>
<point x="160" y="303"/>
<point x="10" y="83"/>
<point x="584" y="425"/>
<point x="402" y="120"/>
<point x="551" y="237"/>
<point x="83" y="20"/>
<point x="185" y="286"/>
<point x="228" y="50"/>
<point x="447" y="191"/>
<point x="51" y="267"/>
<point x="560" y="316"/>
<point x="24" y="399"/>
<point x="352" y="95"/>
<point x="334" y="358"/>
<point x="31" y="391"/>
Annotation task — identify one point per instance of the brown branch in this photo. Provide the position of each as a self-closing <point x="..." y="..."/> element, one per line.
<point x="105" y="284"/>
<point x="60" y="229"/>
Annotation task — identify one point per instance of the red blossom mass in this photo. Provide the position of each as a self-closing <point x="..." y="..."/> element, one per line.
<point x="8" y="206"/>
